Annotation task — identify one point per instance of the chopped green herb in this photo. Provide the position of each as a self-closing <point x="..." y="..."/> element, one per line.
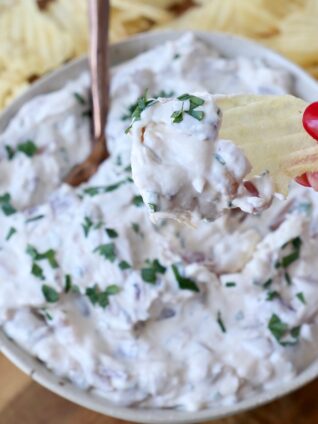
<point x="87" y="225"/>
<point x="230" y="284"/>
<point x="10" y="233"/>
<point x="153" y="207"/>
<point x="194" y="100"/>
<point x="50" y="294"/>
<point x="98" y="225"/>
<point x="124" y="265"/>
<point x="142" y="104"/>
<point x="287" y="278"/>
<point x="164" y="94"/>
<point x="28" y="148"/>
<point x="46" y="314"/>
<point x="196" y="114"/>
<point x="149" y="273"/>
<point x="271" y="295"/>
<point x="34" y="218"/>
<point x="220" y="322"/>
<point x="297" y="242"/>
<point x="177" y="116"/>
<point x="68" y="283"/>
<point x="301" y="297"/>
<point x="108" y="251"/>
<point x="134" y="109"/>
<point x="135" y="227"/>
<point x="10" y="152"/>
<point x="37" y="271"/>
<point x="112" y="289"/>
<point x="137" y="201"/>
<point x="101" y="298"/>
<point x="267" y="283"/>
<point x="80" y="99"/>
<point x="289" y="259"/>
<point x="277" y="327"/>
<point x="111" y="232"/>
<point x="49" y="255"/>
<point x="128" y="169"/>
<point x="219" y="159"/>
<point x="295" y="332"/>
<point x="184" y="282"/>
<point x="5" y="204"/>
<point x="93" y="191"/>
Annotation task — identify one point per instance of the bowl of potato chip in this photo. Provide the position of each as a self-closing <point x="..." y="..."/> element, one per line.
<point x="231" y="47"/>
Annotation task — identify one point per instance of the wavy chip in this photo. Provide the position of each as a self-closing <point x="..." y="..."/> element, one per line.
<point x="270" y="132"/>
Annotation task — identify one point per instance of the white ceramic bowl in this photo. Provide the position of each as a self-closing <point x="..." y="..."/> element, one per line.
<point x="230" y="46"/>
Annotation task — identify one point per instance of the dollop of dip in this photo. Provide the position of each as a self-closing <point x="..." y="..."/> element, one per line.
<point x="162" y="316"/>
<point x="182" y="169"/>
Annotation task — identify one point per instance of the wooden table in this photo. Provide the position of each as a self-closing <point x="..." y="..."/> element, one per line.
<point x="23" y="401"/>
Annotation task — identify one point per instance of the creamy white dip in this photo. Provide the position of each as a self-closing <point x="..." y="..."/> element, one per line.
<point x="182" y="168"/>
<point x="151" y="316"/>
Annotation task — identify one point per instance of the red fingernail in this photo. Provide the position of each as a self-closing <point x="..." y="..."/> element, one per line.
<point x="310" y="120"/>
<point x="303" y="180"/>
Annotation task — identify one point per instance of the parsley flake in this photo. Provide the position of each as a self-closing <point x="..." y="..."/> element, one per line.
<point x="28" y="148"/>
<point x="94" y="191"/>
<point x="230" y="284"/>
<point x="137" y="201"/>
<point x="10" y="233"/>
<point x="111" y="233"/>
<point x="124" y="265"/>
<point x="184" y="282"/>
<point x="50" y="294"/>
<point x="49" y="255"/>
<point x="5" y="205"/>
<point x="271" y="295"/>
<point x="277" y="327"/>
<point x="37" y="271"/>
<point x="108" y="251"/>
<point x="87" y="225"/>
<point x="80" y="99"/>
<point x="301" y="297"/>
<point x="149" y="273"/>
<point x="101" y="298"/>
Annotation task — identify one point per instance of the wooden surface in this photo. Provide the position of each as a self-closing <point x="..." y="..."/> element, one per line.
<point x="23" y="401"/>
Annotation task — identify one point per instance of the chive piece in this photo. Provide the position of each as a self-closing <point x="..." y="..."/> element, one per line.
<point x="68" y="283"/>
<point x="10" y="152"/>
<point x="10" y="233"/>
<point x="184" y="282"/>
<point x="301" y="297"/>
<point x="124" y="265"/>
<point x="34" y="218"/>
<point x="37" y="271"/>
<point x="80" y="99"/>
<point x="230" y="284"/>
<point x="271" y="295"/>
<point x="111" y="233"/>
<point x="108" y="251"/>
<point x="50" y="294"/>
<point x="287" y="278"/>
<point x="277" y="327"/>
<point x="220" y="322"/>
<point x="267" y="283"/>
<point x="87" y="225"/>
<point x="5" y="204"/>
<point x="137" y="201"/>
<point x="28" y="148"/>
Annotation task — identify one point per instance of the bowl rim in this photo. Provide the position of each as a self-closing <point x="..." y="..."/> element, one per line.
<point x="35" y="368"/>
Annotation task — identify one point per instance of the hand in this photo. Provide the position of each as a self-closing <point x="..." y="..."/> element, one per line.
<point x="310" y="123"/>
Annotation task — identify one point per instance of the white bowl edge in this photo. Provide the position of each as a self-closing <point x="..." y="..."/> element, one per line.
<point x="228" y="45"/>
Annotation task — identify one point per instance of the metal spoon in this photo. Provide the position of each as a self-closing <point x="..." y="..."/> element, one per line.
<point x="99" y="68"/>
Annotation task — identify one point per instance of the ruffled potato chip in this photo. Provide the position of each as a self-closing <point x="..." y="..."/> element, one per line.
<point x="270" y="132"/>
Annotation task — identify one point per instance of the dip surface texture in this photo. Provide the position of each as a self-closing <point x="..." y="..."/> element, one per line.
<point x="152" y="316"/>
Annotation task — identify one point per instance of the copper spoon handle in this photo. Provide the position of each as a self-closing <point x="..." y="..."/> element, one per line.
<point x="98" y="58"/>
